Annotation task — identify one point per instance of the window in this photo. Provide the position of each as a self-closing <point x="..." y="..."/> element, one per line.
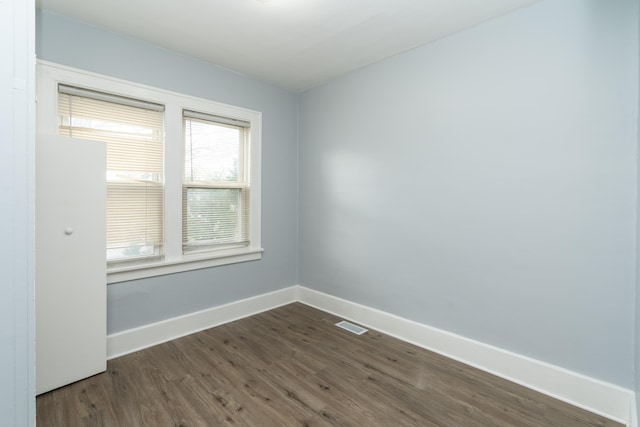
<point x="215" y="194"/>
<point x="183" y="173"/>
<point x="133" y="133"/>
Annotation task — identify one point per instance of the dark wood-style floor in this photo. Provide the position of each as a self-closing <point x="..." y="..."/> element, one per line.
<point x="292" y="367"/>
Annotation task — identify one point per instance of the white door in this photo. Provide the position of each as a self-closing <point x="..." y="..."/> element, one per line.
<point x="70" y="261"/>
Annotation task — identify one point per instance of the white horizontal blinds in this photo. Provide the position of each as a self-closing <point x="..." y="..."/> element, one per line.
<point x="133" y="131"/>
<point x="215" y="199"/>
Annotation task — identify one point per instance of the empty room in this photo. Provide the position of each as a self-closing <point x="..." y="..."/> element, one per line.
<point x="320" y="212"/>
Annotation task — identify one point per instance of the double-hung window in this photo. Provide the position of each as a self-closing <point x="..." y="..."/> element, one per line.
<point x="183" y="173"/>
<point x="133" y="132"/>
<point x="215" y="192"/>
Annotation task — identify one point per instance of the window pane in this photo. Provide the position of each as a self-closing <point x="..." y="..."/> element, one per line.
<point x="213" y="151"/>
<point x="134" y="220"/>
<point x="213" y="217"/>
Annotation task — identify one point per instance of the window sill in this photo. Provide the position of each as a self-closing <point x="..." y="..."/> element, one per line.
<point x="186" y="263"/>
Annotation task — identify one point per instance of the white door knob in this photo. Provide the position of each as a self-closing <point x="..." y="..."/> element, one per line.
<point x="68" y="231"/>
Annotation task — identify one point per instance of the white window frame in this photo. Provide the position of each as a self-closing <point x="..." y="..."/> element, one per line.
<point x="174" y="261"/>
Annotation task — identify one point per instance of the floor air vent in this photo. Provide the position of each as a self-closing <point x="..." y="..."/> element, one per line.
<point x="351" y="327"/>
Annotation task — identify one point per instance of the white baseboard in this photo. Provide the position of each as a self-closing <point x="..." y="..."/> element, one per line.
<point x="596" y="396"/>
<point x="146" y="336"/>
<point x="591" y="394"/>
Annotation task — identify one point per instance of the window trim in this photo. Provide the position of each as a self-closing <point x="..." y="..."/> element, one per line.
<point x="174" y="261"/>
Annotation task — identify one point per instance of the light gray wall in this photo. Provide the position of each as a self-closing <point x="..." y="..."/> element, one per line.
<point x="485" y="184"/>
<point x="140" y="302"/>
<point x="17" y="130"/>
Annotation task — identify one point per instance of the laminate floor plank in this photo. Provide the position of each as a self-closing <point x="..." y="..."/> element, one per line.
<point x="292" y="366"/>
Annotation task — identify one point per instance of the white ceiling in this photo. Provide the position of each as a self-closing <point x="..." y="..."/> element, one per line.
<point x="296" y="44"/>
